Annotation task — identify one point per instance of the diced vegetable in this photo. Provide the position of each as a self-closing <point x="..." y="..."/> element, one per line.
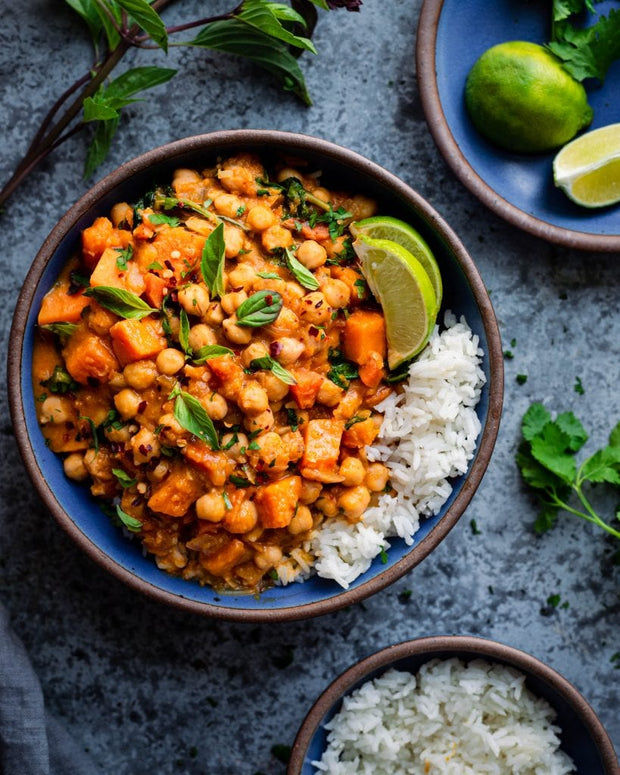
<point x="322" y="444"/>
<point x="107" y="273"/>
<point x="154" y="289"/>
<point x="364" y="332"/>
<point x="176" y="493"/>
<point x="225" y="559"/>
<point x="135" y="340"/>
<point x="361" y="434"/>
<point x="89" y="357"/>
<point x="307" y="387"/>
<point x="100" y="236"/>
<point x="276" y="502"/>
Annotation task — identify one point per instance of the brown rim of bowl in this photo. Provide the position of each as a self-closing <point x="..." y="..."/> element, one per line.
<point x="299" y="143"/>
<point x="482" y="647"/>
<point x="449" y="149"/>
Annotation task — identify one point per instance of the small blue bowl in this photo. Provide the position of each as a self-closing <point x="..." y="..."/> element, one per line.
<point x="78" y="512"/>
<point x="582" y="737"/>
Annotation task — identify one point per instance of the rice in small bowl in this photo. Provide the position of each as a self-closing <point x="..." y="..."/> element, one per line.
<point x="451" y="705"/>
<point x="462" y="363"/>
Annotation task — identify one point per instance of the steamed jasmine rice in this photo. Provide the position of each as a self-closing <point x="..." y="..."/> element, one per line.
<point x="451" y="718"/>
<point x="428" y="436"/>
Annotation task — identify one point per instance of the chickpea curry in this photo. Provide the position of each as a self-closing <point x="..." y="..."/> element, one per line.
<point x="209" y="362"/>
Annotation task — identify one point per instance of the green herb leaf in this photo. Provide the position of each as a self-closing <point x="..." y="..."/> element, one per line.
<point x="281" y="752"/>
<point x="99" y="145"/>
<point x="131" y="523"/>
<point x="124" y="255"/>
<point x="210" y="351"/>
<point x="159" y="219"/>
<point x="546" y="519"/>
<point x="270" y="364"/>
<point x="147" y="18"/>
<point x="123" y="478"/>
<point x="534" y="420"/>
<point x="261" y="309"/>
<point x="93" y="432"/>
<point x="587" y="52"/>
<point x="602" y="466"/>
<point x="212" y="262"/>
<point x="300" y="273"/>
<point x="550" y="449"/>
<point x="269" y="275"/>
<point x="342" y="371"/>
<point x="123" y="303"/>
<point x="239" y="481"/>
<point x="184" y="332"/>
<point x="62" y="329"/>
<point x="191" y="415"/>
<point x="265" y="17"/>
<point x="573" y="429"/>
<point x="60" y="382"/>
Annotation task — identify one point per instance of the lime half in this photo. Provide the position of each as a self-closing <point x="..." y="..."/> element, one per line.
<point x="386" y="227"/>
<point x="403" y="288"/>
<point x="588" y="168"/>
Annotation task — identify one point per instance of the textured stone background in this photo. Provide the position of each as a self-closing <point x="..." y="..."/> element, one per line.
<point x="146" y="689"/>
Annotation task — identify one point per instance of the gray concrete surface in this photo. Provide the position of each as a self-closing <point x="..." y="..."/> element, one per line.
<point x="146" y="689"/>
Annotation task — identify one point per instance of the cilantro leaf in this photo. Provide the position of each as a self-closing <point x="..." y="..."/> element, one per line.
<point x="602" y="466"/>
<point x="534" y="420"/>
<point x="550" y="449"/>
<point x="573" y="429"/>
<point x="587" y="52"/>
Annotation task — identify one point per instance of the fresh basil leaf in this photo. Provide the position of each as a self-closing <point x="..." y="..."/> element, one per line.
<point x="62" y="329"/>
<point x="123" y="478"/>
<point x="239" y="481"/>
<point x="212" y="261"/>
<point x="192" y="416"/>
<point x="147" y="18"/>
<point x="87" y="9"/>
<point x="99" y="145"/>
<point x="159" y="219"/>
<point x="270" y="364"/>
<point x="99" y="108"/>
<point x="131" y="523"/>
<point x="210" y="351"/>
<point x="184" y="332"/>
<point x="265" y="18"/>
<point x="261" y="309"/>
<point x="269" y="275"/>
<point x="300" y="273"/>
<point x="286" y="13"/>
<point x="236" y="37"/>
<point x="93" y="431"/>
<point x="138" y="79"/>
<point x="321" y="4"/>
<point x="123" y="303"/>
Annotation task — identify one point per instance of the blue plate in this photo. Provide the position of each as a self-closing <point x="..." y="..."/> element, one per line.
<point x="518" y="187"/>
<point x="79" y="513"/>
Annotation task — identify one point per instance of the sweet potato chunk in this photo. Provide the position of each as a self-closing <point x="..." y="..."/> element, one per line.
<point x="136" y="340"/>
<point x="322" y="443"/>
<point x="155" y="288"/>
<point x="217" y="465"/>
<point x="360" y="434"/>
<point x="307" y="387"/>
<point x="364" y="333"/>
<point x="100" y="236"/>
<point x="60" y="307"/>
<point x="224" y="560"/>
<point x="88" y="357"/>
<point x="277" y="502"/>
<point x="176" y="493"/>
<point x="108" y="273"/>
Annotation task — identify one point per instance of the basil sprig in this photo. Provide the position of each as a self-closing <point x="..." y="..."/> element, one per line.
<point x="62" y="329"/>
<point x="212" y="262"/>
<point x="270" y="364"/>
<point x="261" y="309"/>
<point x="184" y="332"/>
<point x="210" y="351"/>
<point x="131" y="523"/>
<point x="123" y="303"/>
<point x="191" y="415"/>
<point x="300" y="273"/>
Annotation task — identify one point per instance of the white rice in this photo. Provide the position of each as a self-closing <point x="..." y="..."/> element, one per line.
<point x="451" y="718"/>
<point x="428" y="436"/>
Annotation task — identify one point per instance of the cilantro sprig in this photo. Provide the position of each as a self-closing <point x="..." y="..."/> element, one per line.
<point x="548" y="464"/>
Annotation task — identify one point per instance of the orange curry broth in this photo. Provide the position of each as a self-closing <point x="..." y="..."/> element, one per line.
<point x="289" y="455"/>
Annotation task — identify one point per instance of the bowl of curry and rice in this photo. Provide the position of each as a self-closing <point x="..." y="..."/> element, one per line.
<point x="255" y="375"/>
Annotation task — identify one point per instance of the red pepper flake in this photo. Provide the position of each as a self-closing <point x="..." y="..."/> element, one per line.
<point x="313" y="331"/>
<point x="275" y="348"/>
<point x="319" y="303"/>
<point x="269" y="300"/>
<point x="169" y="265"/>
<point x="142" y="406"/>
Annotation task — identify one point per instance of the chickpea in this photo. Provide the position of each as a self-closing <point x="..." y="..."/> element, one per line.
<point x="329" y="394"/>
<point x="253" y="398"/>
<point x="194" y="299"/>
<point x="276" y="389"/>
<point x="353" y="471"/>
<point x="230" y="301"/>
<point x="268" y="557"/>
<point x="244" y="520"/>
<point x="127" y="403"/>
<point x="276" y="236"/>
<point x="54" y="409"/>
<point x="140" y="374"/>
<point x="327" y="505"/>
<point x="74" y="467"/>
<point x="199" y="225"/>
<point x="335" y="247"/>
<point x="259" y="422"/>
<point x="270" y="455"/>
<point x="260" y="218"/>
<point x="288" y="172"/>
<point x="215" y="314"/>
<point x="184" y="175"/>
<point x="362" y="207"/>
<point x="311" y="254"/>
<point x="171" y="430"/>
<point x="233" y="240"/>
<point x="310" y="491"/>
<point x="215" y="406"/>
<point x="211" y="506"/>
<point x="302" y="521"/>
<point x="288" y="350"/>
<point x="236" y="334"/>
<point x="241" y="276"/>
<point x="160" y="470"/>
<point x="337" y="293"/>
<point x="322" y="194"/>
<point x="294" y="291"/>
<point x="120" y="214"/>
<point x="314" y="309"/>
<point x="354" y="501"/>
<point x="170" y="361"/>
<point x="201" y="335"/>
<point x="377" y="477"/>
<point x="236" y="446"/>
<point x="145" y="445"/>
<point x="228" y="204"/>
<point x="252" y="351"/>
<point x="118" y="435"/>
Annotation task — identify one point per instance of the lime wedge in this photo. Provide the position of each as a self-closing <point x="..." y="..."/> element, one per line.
<point x="588" y="168"/>
<point x="386" y="227"/>
<point x="403" y="288"/>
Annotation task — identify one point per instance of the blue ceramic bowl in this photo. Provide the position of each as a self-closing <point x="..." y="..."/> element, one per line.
<point x="77" y="511"/>
<point x="518" y="187"/>
<point x="583" y="737"/>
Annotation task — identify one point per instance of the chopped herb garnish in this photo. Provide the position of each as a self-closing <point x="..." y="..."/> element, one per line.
<point x="212" y="261"/>
<point x="184" y="332"/>
<point x="578" y="387"/>
<point x="353" y="421"/>
<point x="158" y="219"/>
<point x="270" y="364"/>
<point x="261" y="309"/>
<point x="292" y="419"/>
<point x="124" y="255"/>
<point x="60" y="382"/>
<point x="155" y="265"/>
<point x="191" y="415"/>
<point x="123" y="478"/>
<point x="281" y="752"/>
<point x="303" y="276"/>
<point x="521" y="379"/>
<point x="61" y="329"/>
<point x="342" y="371"/>
<point x="226" y="500"/>
<point x="474" y="527"/>
<point x="123" y="303"/>
<point x="210" y="351"/>
<point x="269" y="275"/>
<point x="239" y="481"/>
<point x="131" y="523"/>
